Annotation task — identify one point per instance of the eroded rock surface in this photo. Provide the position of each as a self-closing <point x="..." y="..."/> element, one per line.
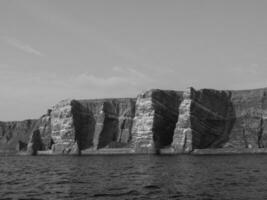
<point x="45" y="128"/>
<point x="155" y="119"/>
<point x="62" y="128"/>
<point x="249" y="129"/>
<point x="221" y="119"/>
<point x="183" y="136"/>
<point x="206" y="120"/>
<point x="14" y="136"/>
<point x="103" y="122"/>
<point x="40" y="135"/>
<point x="35" y="143"/>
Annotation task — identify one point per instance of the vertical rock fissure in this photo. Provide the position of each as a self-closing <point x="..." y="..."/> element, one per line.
<point x="110" y="124"/>
<point x="84" y="125"/>
<point x="103" y="123"/>
<point x="205" y="120"/>
<point x="155" y="120"/>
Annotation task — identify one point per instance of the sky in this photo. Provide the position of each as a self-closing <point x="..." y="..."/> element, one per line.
<point x="82" y="49"/>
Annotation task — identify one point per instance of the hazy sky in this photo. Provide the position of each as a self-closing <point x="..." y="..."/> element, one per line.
<point x="53" y="50"/>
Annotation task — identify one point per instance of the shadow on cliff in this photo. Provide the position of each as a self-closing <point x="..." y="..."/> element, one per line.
<point x="165" y="104"/>
<point x="84" y="125"/>
<point x="213" y="124"/>
<point x="103" y="123"/>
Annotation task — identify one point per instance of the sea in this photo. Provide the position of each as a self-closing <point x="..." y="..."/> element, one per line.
<point x="134" y="177"/>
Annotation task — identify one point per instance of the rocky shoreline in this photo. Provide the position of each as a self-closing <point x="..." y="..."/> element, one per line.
<point x="194" y="122"/>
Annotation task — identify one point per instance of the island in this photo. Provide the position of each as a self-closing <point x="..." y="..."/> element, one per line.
<point x="205" y="121"/>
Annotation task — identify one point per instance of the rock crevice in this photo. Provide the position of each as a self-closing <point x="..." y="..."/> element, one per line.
<point x="154" y="123"/>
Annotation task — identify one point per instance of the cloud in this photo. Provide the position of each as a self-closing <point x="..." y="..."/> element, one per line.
<point x="160" y="69"/>
<point x="21" y="46"/>
<point x="86" y="79"/>
<point x="132" y="73"/>
<point x="123" y="76"/>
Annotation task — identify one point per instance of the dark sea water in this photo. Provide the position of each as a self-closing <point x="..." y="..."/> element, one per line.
<point x="134" y="177"/>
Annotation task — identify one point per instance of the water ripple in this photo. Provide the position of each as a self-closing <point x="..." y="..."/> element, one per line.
<point x="133" y="177"/>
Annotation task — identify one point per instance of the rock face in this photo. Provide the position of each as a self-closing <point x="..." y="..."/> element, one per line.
<point x="183" y="136"/>
<point x="206" y="120"/>
<point x="21" y="135"/>
<point x="14" y="136"/>
<point x="249" y="130"/>
<point x="154" y="123"/>
<point x="62" y="128"/>
<point x="157" y="121"/>
<point x="40" y="135"/>
<point x="75" y="125"/>
<point x="103" y="123"/>
<point x="221" y="119"/>
<point x="35" y="143"/>
<point x="45" y="128"/>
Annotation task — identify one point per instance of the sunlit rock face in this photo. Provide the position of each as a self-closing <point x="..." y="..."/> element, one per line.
<point x="14" y="136"/>
<point x="40" y="135"/>
<point x="45" y="128"/>
<point x="62" y="129"/>
<point x="103" y="122"/>
<point x="155" y="119"/>
<point x="182" y="138"/>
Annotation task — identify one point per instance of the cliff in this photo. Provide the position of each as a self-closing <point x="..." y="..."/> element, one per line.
<point x="14" y="136"/>
<point x="103" y="122"/>
<point x="249" y="130"/>
<point x="206" y="120"/>
<point x="77" y="125"/>
<point x="221" y="119"/>
<point x="157" y="121"/>
<point x="155" y="118"/>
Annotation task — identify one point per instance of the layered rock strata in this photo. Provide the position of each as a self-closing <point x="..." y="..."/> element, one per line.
<point x="154" y="123"/>
<point x="42" y="130"/>
<point x="157" y="121"/>
<point x="75" y="125"/>
<point x="103" y="123"/>
<point x="21" y="135"/>
<point x="62" y="128"/>
<point x="249" y="130"/>
<point x="206" y="120"/>
<point x="221" y="119"/>
<point x="182" y="138"/>
<point x="14" y="136"/>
